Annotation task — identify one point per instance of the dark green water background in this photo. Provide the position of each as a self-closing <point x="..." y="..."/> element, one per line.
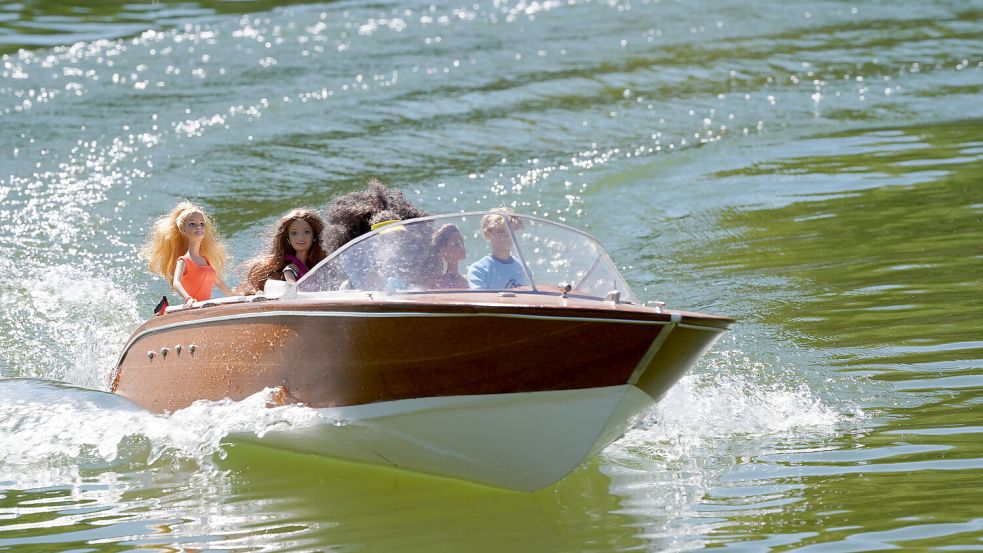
<point x="812" y="169"/>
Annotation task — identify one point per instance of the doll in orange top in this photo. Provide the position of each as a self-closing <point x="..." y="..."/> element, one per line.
<point x="183" y="248"/>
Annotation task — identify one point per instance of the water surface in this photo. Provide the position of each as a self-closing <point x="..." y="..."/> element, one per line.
<point x="812" y="169"/>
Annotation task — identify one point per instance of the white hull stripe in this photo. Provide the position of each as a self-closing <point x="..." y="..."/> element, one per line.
<point x="651" y="353"/>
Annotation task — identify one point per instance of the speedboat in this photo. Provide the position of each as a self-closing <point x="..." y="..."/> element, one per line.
<point x="510" y="384"/>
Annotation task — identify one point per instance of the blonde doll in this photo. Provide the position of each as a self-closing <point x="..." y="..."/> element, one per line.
<point x="183" y="248"/>
<point x="295" y="248"/>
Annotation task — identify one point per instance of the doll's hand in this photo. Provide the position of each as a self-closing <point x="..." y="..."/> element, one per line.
<point x="190" y="302"/>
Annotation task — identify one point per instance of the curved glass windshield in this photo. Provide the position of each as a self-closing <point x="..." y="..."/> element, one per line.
<point x="489" y="250"/>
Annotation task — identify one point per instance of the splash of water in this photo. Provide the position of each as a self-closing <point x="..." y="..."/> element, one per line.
<point x="737" y="398"/>
<point x="65" y="323"/>
<point x="47" y="426"/>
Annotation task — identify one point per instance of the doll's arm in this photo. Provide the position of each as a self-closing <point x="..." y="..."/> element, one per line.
<point x="290" y="273"/>
<point x="221" y="286"/>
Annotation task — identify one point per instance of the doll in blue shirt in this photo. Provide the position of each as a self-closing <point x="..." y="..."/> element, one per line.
<point x="498" y="270"/>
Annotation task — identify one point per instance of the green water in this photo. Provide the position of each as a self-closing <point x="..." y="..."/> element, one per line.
<point x="813" y="169"/>
<point x="894" y="303"/>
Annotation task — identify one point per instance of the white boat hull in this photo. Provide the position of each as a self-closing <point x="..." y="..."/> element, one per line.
<point x="520" y="441"/>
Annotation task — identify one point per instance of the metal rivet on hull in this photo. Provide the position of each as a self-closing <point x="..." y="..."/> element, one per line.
<point x="150" y="355"/>
<point x="177" y="348"/>
<point x="192" y="348"/>
<point x="163" y="352"/>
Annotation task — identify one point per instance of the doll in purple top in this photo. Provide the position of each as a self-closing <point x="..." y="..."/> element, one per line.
<point x="296" y="247"/>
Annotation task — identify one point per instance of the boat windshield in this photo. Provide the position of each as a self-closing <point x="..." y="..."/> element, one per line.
<point x="488" y="250"/>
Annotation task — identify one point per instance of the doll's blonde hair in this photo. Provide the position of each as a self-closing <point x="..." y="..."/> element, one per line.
<point x="166" y="243"/>
<point x="496" y="218"/>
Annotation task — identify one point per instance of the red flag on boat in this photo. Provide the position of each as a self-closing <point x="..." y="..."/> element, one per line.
<point x="161" y="306"/>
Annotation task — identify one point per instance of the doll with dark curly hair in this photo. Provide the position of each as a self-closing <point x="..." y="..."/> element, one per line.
<point x="351" y="215"/>
<point x="296" y="246"/>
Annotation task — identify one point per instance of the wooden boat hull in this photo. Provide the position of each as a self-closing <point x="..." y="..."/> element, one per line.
<point x="512" y="391"/>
